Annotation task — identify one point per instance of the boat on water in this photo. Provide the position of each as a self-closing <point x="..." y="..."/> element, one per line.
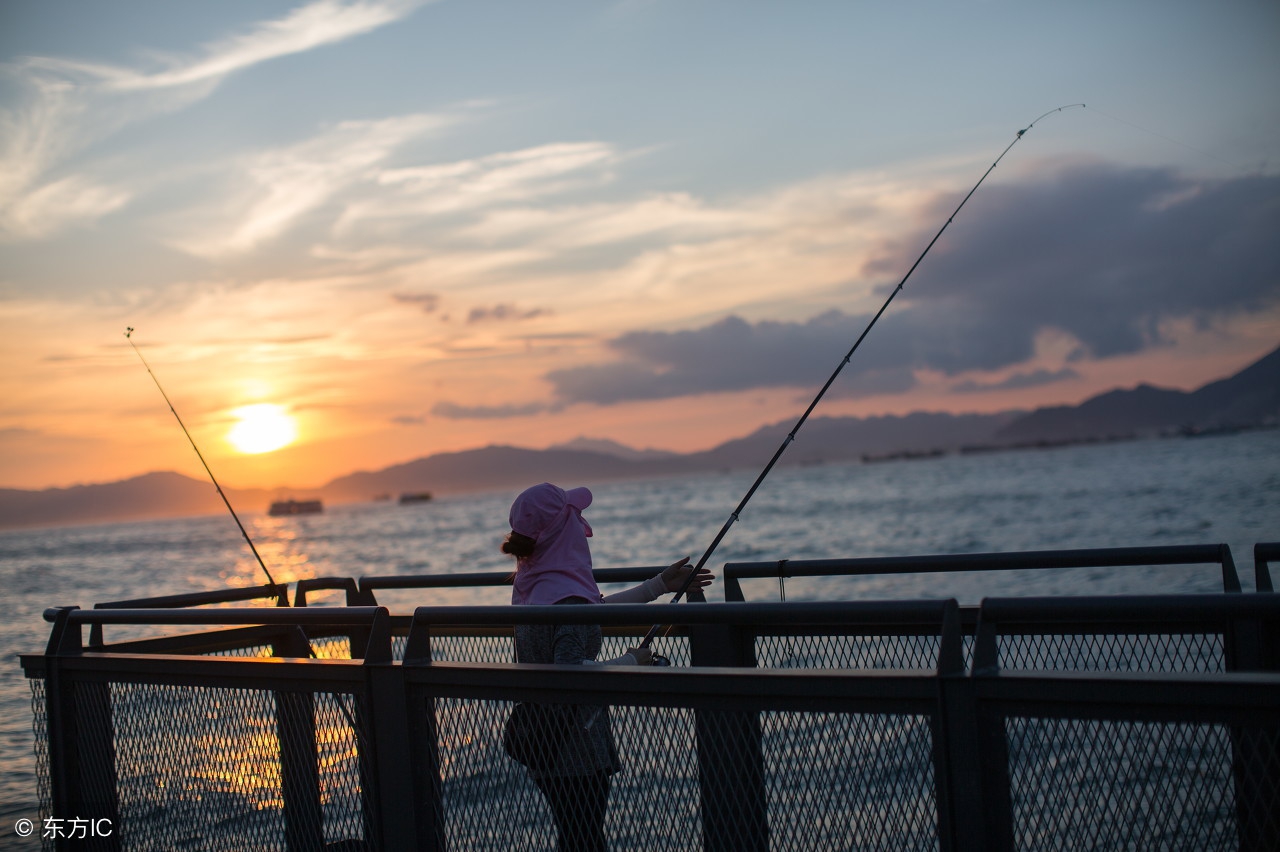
<point x="415" y="497"/>
<point x="295" y="507"/>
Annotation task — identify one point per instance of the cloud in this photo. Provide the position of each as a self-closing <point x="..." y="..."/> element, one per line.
<point x="453" y="411"/>
<point x="729" y="355"/>
<point x="482" y="182"/>
<point x="305" y="28"/>
<point x="1102" y="253"/>
<point x="1106" y="255"/>
<point x="500" y="313"/>
<point x="58" y="203"/>
<point x="72" y="105"/>
<point x="428" y="302"/>
<point x="292" y="181"/>
<point x="1018" y="381"/>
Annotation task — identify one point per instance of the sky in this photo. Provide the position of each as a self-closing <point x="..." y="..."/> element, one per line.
<point x="392" y="228"/>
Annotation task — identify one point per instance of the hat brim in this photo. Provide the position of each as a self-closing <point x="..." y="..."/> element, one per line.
<point x="580" y="498"/>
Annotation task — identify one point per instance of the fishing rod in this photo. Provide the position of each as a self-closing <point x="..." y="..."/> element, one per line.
<point x="129" y="336"/>
<point x="791" y="436"/>
<point x="311" y="651"/>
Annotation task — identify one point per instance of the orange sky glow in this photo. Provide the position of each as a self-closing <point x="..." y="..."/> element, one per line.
<point x="577" y="241"/>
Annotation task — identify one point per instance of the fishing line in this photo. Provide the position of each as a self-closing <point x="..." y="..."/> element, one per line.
<point x="129" y="336"/>
<point x="791" y="436"/>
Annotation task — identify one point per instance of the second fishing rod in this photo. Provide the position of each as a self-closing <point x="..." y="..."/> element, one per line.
<point x="791" y="436"/>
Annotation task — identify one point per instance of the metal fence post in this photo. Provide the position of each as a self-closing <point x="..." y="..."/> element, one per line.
<point x="395" y="782"/>
<point x="399" y="723"/>
<point x="989" y="746"/>
<point x="1251" y="646"/>
<point x="730" y="758"/>
<point x="299" y="757"/>
<point x="956" y="761"/>
<point x="958" y="767"/>
<point x="81" y="746"/>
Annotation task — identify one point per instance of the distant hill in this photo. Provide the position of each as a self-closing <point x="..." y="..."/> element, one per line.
<point x="1249" y="398"/>
<point x="490" y="467"/>
<point x="153" y="495"/>
<point x="613" y="448"/>
<point x="829" y="439"/>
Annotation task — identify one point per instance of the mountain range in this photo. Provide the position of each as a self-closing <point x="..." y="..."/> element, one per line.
<point x="1250" y="398"/>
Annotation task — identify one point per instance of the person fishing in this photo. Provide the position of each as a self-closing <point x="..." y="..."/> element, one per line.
<point x="548" y="538"/>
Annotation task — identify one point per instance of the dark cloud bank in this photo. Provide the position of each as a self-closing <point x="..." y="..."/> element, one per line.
<point x="1102" y="253"/>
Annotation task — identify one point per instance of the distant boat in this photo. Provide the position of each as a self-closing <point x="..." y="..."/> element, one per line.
<point x="296" y="507"/>
<point x="414" y="497"/>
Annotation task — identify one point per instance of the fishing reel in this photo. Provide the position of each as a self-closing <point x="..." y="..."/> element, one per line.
<point x="659" y="660"/>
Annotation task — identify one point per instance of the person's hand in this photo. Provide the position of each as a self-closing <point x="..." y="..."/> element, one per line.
<point x="644" y="656"/>
<point x="675" y="574"/>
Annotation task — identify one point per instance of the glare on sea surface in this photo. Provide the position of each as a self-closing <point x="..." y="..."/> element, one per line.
<point x="262" y="428"/>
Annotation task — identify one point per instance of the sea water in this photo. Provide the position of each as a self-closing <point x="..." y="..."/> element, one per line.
<point x="1222" y="489"/>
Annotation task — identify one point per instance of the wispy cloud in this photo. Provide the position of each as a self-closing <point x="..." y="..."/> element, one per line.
<point x="53" y="205"/>
<point x="453" y="411"/>
<point x="289" y="182"/>
<point x="305" y="28"/>
<point x="482" y="182"/>
<point x="503" y="313"/>
<point x="427" y="302"/>
<point x="1018" y="381"/>
<point x="71" y="105"/>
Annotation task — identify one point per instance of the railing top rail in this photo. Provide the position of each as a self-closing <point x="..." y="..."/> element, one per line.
<point x="278" y="591"/>
<point x="286" y="616"/>
<point x="1117" y="557"/>
<point x="862" y="612"/>
<point x="493" y="578"/>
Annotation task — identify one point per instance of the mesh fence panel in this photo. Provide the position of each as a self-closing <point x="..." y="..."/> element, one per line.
<point x="474" y="648"/>
<point x="40" y="737"/>
<point x="201" y="767"/>
<point x="248" y="651"/>
<point x="1178" y="652"/>
<point x="847" y="652"/>
<point x="827" y="781"/>
<point x="331" y="648"/>
<point x="772" y="650"/>
<point x="1084" y="784"/>
<point x="492" y="802"/>
<point x="849" y="781"/>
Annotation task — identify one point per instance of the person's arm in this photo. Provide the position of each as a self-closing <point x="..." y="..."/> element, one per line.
<point x="647" y="591"/>
<point x="671" y="579"/>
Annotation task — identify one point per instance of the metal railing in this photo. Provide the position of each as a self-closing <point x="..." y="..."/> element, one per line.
<point x="362" y="591"/>
<point x="1042" y="560"/>
<point x="728" y="752"/>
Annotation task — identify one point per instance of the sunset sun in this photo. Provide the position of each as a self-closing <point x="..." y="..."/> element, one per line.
<point x="261" y="428"/>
